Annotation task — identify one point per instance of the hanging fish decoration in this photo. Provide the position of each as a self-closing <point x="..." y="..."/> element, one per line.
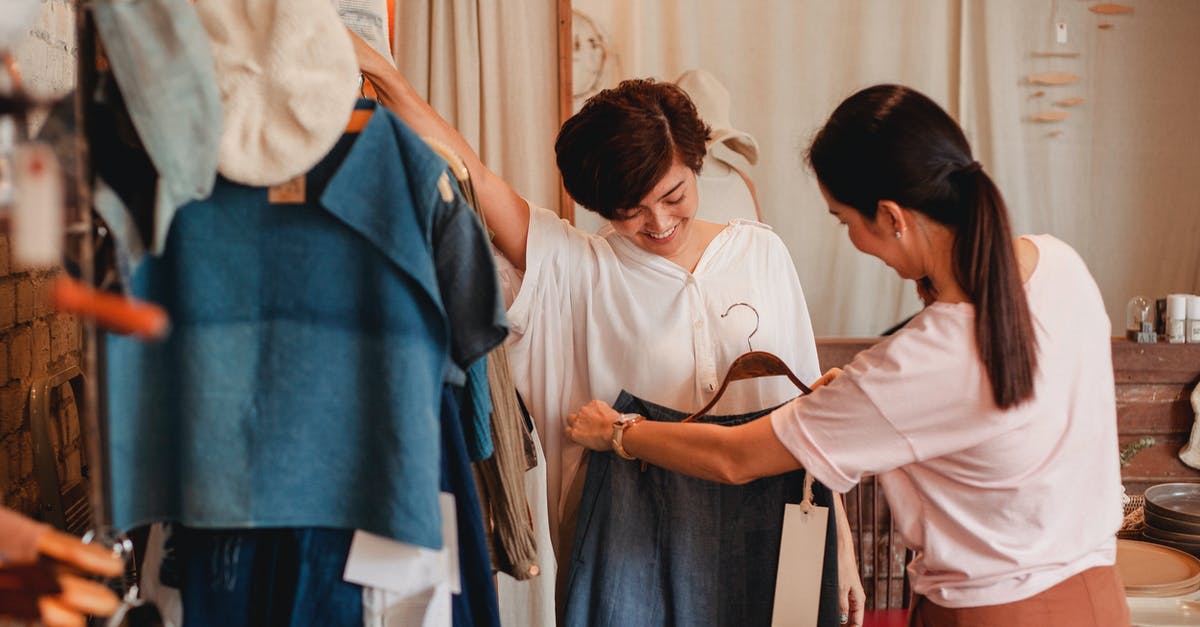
<point x="1069" y="102"/>
<point x="1111" y="9"/>
<point x="1050" y="116"/>
<point x="1054" y="78"/>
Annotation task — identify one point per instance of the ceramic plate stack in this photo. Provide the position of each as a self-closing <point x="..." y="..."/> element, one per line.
<point x="1151" y="570"/>
<point x="1173" y="516"/>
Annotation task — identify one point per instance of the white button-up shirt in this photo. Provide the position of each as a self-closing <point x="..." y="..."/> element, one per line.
<point x="595" y="314"/>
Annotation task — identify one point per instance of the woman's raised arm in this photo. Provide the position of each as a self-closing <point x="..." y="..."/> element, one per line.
<point x="507" y="213"/>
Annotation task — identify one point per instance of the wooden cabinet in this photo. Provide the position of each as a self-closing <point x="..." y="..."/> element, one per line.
<point x="1154" y="383"/>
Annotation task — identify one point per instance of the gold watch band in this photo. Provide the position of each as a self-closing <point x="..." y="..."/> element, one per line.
<point x="619" y="427"/>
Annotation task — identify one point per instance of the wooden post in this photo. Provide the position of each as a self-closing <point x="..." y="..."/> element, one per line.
<point x="566" y="206"/>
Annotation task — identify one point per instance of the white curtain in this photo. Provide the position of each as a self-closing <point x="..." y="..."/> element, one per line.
<point x="1116" y="183"/>
<point x="490" y="69"/>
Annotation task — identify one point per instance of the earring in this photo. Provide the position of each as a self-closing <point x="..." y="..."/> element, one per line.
<point x="897" y="234"/>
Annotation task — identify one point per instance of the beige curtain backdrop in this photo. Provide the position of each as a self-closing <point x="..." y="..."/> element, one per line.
<point x="1117" y="183"/>
<point x="490" y="68"/>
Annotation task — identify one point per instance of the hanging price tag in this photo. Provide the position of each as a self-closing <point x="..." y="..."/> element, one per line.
<point x="1060" y="32"/>
<point x="801" y="555"/>
<point x="37" y="213"/>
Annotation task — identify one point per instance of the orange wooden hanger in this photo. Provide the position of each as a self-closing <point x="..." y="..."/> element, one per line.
<point x="750" y="365"/>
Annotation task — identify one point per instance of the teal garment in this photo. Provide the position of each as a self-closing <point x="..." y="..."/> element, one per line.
<point x="301" y="383"/>
<point x="475" y="399"/>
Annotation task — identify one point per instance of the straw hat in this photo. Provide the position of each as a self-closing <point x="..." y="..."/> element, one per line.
<point x="288" y="79"/>
<point x="712" y="102"/>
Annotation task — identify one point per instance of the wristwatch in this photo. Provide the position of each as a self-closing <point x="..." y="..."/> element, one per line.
<point x="624" y="422"/>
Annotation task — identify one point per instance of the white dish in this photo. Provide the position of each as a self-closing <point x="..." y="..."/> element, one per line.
<point x="1146" y="612"/>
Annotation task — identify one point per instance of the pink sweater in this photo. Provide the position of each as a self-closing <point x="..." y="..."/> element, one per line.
<point x="998" y="505"/>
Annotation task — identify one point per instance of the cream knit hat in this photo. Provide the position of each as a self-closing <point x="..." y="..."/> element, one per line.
<point x="288" y="79"/>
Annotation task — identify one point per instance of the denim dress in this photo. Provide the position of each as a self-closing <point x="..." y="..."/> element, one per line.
<point x="659" y="548"/>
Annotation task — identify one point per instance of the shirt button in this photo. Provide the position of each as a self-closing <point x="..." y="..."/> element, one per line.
<point x="698" y="324"/>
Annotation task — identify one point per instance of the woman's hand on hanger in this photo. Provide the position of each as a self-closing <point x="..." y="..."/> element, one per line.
<point x="507" y="213"/>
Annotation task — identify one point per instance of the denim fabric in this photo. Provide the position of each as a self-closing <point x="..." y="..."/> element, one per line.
<point x="161" y="58"/>
<point x="301" y="384"/>
<point x="659" y="548"/>
<point x="266" y="577"/>
<point x="475" y="399"/>
<point x="476" y="606"/>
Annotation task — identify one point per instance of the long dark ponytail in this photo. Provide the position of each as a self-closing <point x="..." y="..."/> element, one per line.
<point x="890" y="142"/>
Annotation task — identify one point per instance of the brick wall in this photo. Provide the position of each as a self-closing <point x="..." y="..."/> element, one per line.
<point x="34" y="341"/>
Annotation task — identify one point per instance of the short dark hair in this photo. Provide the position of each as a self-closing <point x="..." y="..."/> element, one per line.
<point x="624" y="140"/>
<point x="890" y="142"/>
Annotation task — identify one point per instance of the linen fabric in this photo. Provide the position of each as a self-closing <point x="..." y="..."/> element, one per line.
<point x="661" y="548"/>
<point x="301" y="384"/>
<point x="989" y="500"/>
<point x="595" y="315"/>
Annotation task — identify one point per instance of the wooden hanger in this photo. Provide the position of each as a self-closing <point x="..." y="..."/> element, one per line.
<point x="360" y="117"/>
<point x="751" y="365"/>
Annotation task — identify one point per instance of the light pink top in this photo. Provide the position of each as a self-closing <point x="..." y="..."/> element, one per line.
<point x="998" y="505"/>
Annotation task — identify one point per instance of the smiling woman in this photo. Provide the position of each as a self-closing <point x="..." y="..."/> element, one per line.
<point x="637" y="309"/>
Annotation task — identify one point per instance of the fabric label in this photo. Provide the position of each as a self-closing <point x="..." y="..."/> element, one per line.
<point x="287" y="193"/>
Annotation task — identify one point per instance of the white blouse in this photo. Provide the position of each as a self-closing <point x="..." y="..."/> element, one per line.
<point x="595" y="314"/>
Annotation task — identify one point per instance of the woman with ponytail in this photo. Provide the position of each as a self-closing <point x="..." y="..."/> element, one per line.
<point x="989" y="418"/>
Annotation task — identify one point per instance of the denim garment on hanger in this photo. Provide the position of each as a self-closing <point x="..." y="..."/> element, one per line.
<point x="658" y="548"/>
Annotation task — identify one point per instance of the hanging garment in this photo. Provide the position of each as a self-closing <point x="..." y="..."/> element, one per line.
<point x="253" y="577"/>
<point x="660" y="548"/>
<point x="475" y="401"/>
<point x="161" y="58"/>
<point x="502" y="477"/>
<point x="476" y="605"/>
<point x="530" y="603"/>
<point x="492" y="407"/>
<point x="301" y="384"/>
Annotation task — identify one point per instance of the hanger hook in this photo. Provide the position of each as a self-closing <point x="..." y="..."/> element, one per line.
<point x="757" y="319"/>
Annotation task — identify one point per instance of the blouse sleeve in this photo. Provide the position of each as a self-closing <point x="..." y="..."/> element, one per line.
<point x="918" y="395"/>
<point x="548" y="265"/>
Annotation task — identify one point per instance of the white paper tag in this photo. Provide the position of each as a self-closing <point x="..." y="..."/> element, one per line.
<point x="430" y="608"/>
<point x="407" y="569"/>
<point x="801" y="554"/>
<point x="1060" y="32"/>
<point x="37" y="217"/>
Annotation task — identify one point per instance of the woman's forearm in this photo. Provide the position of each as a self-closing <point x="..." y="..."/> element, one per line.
<point x="733" y="455"/>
